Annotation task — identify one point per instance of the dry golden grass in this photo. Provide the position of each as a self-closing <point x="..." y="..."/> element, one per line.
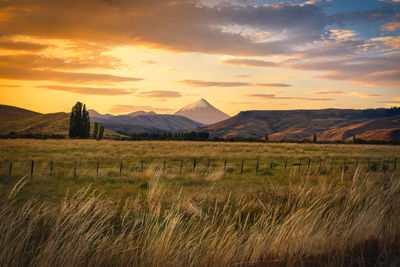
<point x="300" y="225"/>
<point x="207" y="217"/>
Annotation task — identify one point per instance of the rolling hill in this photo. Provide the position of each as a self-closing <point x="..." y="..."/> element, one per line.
<point x="22" y="121"/>
<point x="328" y="124"/>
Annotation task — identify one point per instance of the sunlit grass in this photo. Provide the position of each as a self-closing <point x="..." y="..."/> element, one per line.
<point x="213" y="216"/>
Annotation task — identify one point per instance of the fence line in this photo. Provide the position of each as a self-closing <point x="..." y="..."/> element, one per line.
<point x="375" y="166"/>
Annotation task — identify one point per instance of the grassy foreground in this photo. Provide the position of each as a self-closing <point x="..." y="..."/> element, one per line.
<point x="154" y="217"/>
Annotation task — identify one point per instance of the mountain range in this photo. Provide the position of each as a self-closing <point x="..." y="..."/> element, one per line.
<point x="192" y="116"/>
<point x="326" y="124"/>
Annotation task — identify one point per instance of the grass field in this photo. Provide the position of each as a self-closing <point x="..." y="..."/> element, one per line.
<point x="341" y="213"/>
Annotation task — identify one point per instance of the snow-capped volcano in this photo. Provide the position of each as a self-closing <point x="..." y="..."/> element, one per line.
<point x="203" y="112"/>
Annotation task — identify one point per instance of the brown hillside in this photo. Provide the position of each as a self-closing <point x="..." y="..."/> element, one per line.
<point x="376" y="129"/>
<point x="328" y="124"/>
<point x="22" y="121"/>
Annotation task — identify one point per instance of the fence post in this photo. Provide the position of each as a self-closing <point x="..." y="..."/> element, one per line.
<point x="32" y="167"/>
<point x="308" y="165"/>
<point x="208" y="166"/>
<point x="97" y="170"/>
<point x="75" y="169"/>
<point x="194" y="165"/>
<point x="379" y="165"/>
<point x="299" y="164"/>
<point x="164" y="166"/>
<point x="180" y="169"/>
<point x="285" y="165"/>
<point x="10" y="170"/>
<point x="241" y="169"/>
<point x="225" y="166"/>
<point x="51" y="168"/>
<point x="395" y="163"/>
<point x="120" y="169"/>
<point x="141" y="165"/>
<point x="257" y="166"/>
<point x="331" y="165"/>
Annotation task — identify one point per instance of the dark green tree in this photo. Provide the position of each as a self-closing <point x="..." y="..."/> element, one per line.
<point x="75" y="120"/>
<point x="85" y="123"/>
<point x="79" y="123"/>
<point x="314" y="138"/>
<point x="95" y="130"/>
<point x="101" y="132"/>
<point x="354" y="138"/>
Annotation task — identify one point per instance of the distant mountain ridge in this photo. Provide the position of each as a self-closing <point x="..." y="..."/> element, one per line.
<point x="129" y="125"/>
<point x="203" y="112"/>
<point x="328" y="124"/>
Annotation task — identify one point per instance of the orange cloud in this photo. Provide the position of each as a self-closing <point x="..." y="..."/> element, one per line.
<point x="160" y="94"/>
<point x="88" y="90"/>
<point x="35" y="61"/>
<point x="325" y="92"/>
<point x="59" y="76"/>
<point x="10" y="45"/>
<point x="391" y="26"/>
<point x="246" y="62"/>
<point x="273" y="96"/>
<point x="199" y="83"/>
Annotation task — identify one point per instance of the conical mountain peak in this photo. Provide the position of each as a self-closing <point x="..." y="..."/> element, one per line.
<point x="203" y="112"/>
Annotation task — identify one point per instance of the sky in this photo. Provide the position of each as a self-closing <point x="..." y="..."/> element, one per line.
<point x="120" y="56"/>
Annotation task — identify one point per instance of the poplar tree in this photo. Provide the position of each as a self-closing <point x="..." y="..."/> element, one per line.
<point x="95" y="130"/>
<point x="79" y="123"/>
<point x="101" y="132"/>
<point x="85" y="123"/>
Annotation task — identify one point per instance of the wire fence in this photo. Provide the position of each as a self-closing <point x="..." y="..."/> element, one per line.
<point x="233" y="166"/>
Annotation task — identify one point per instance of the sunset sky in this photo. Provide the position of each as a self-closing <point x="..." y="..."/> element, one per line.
<point x="119" y="56"/>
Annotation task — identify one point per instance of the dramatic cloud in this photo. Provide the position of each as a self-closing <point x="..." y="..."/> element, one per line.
<point x="160" y="94"/>
<point x="246" y="62"/>
<point x="132" y="108"/>
<point x="10" y="45"/>
<point x="272" y="96"/>
<point x="34" y="61"/>
<point x="198" y="83"/>
<point x="179" y="25"/>
<point x="88" y="90"/>
<point x="59" y="76"/>
<point x="364" y="70"/>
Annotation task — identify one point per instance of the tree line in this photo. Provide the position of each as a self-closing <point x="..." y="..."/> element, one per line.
<point x="183" y="136"/>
